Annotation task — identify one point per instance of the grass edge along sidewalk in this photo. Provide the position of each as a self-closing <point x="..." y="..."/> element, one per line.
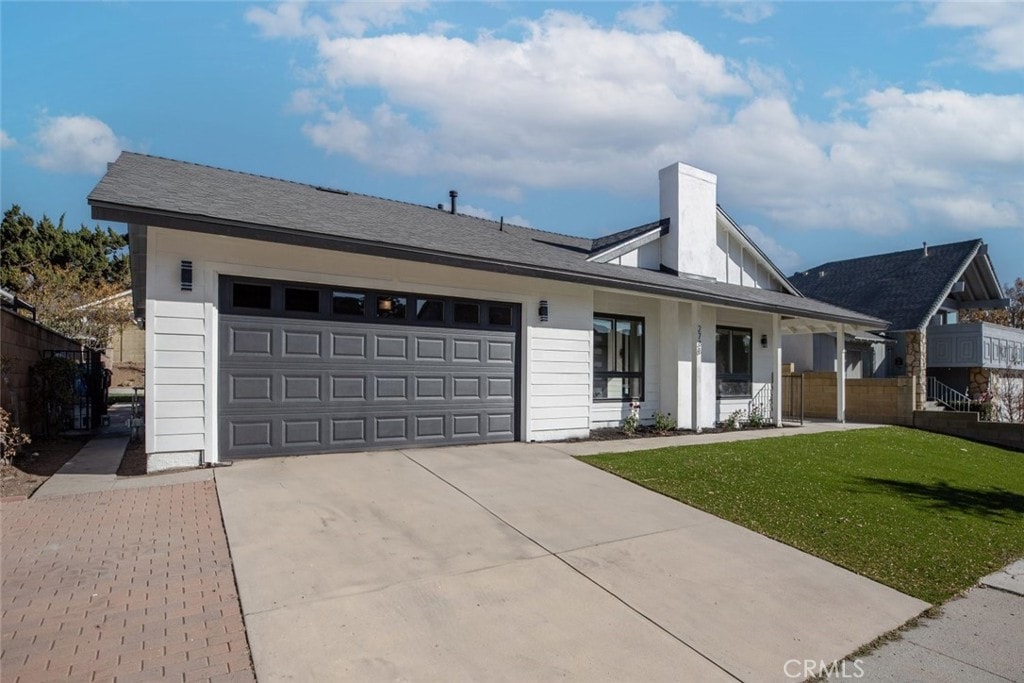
<point x="926" y="514"/>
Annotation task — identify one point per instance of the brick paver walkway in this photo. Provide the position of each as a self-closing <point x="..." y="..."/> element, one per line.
<point x="132" y="585"/>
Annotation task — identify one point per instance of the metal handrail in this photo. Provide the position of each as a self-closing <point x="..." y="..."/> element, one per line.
<point x="761" y="403"/>
<point x="947" y="395"/>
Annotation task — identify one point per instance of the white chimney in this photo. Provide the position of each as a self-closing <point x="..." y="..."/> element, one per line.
<point x="689" y="198"/>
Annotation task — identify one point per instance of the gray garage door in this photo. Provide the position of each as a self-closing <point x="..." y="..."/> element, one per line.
<point x="295" y="386"/>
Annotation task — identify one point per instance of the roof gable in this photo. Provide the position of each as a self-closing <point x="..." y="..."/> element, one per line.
<point x="903" y="287"/>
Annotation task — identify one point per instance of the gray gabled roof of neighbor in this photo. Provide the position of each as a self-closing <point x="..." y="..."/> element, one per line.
<point x="145" y="190"/>
<point x="905" y="287"/>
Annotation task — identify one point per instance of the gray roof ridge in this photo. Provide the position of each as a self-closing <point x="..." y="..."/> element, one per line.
<point x="868" y="257"/>
<point x="611" y="239"/>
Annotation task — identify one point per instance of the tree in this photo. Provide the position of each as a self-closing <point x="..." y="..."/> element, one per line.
<point x="1012" y="316"/>
<point x="30" y="247"/>
<point x="64" y="274"/>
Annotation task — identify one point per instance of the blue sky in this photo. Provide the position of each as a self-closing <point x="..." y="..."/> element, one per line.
<point x="835" y="129"/>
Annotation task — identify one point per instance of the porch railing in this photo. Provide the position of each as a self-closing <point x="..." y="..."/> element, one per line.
<point x="760" y="407"/>
<point x="950" y="398"/>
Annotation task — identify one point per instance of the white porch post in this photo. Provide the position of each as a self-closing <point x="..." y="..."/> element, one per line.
<point x="697" y="335"/>
<point x="840" y="373"/>
<point x="777" y="373"/>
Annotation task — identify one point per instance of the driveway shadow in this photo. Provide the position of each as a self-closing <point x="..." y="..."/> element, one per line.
<point x="983" y="502"/>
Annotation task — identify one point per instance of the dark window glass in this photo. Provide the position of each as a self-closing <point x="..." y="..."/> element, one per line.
<point x="499" y="315"/>
<point x="301" y="300"/>
<point x="250" y="296"/>
<point x="618" y="359"/>
<point x="430" y="310"/>
<point x="467" y="314"/>
<point x="734" y="362"/>
<point x="349" y="303"/>
<point x="390" y="306"/>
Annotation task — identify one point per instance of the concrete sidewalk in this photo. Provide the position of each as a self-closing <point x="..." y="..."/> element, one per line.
<point x="978" y="637"/>
<point x="94" y="467"/>
<point x="579" y="448"/>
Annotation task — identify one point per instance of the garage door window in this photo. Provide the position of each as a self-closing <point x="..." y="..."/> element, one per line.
<point x="430" y="310"/>
<point x="467" y="314"/>
<point x="307" y="300"/>
<point x="349" y="304"/>
<point x="300" y="300"/>
<point x="245" y="295"/>
<point x="391" y="307"/>
<point x="499" y="316"/>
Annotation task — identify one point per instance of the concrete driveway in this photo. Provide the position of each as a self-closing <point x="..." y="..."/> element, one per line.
<point x="516" y="562"/>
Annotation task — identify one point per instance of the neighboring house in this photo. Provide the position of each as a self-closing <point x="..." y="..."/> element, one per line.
<point x="284" y="318"/>
<point x="127" y="341"/>
<point x="919" y="292"/>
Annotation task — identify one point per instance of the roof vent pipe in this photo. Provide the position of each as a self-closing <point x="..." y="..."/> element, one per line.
<point x="453" y="194"/>
<point x="925" y="244"/>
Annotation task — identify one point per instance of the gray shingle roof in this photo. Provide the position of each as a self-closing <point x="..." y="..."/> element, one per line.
<point x="902" y="287"/>
<point x="141" y="189"/>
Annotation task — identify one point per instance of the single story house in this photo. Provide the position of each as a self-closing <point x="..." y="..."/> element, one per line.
<point x="284" y="318"/>
<point x="920" y="292"/>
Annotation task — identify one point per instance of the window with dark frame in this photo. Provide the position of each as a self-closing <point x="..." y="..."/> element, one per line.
<point x="348" y="303"/>
<point x="301" y="300"/>
<point x="618" y="358"/>
<point x="467" y="313"/>
<point x="430" y="310"/>
<point x="309" y="300"/>
<point x="734" y="362"/>
<point x="391" y="307"/>
<point x="247" y="295"/>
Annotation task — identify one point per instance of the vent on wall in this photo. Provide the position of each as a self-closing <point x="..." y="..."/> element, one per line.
<point x="186" y="276"/>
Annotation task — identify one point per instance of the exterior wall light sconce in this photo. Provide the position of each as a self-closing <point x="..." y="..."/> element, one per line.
<point x="186" y="276"/>
<point x="543" y="310"/>
<point x="764" y="341"/>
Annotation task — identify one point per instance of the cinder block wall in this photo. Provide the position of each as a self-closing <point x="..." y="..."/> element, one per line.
<point x="882" y="401"/>
<point x="22" y="343"/>
<point x="967" y="426"/>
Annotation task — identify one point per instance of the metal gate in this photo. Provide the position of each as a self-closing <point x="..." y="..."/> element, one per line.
<point x="793" y="398"/>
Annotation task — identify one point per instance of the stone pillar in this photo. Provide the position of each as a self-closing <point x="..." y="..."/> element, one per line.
<point x="979" y="381"/>
<point x="916" y="363"/>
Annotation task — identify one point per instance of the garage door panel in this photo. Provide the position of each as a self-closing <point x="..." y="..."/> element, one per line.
<point x="301" y="388"/>
<point x="348" y="346"/>
<point x="250" y="342"/>
<point x="291" y="386"/>
<point x="300" y="344"/>
<point x="391" y="347"/>
<point x="348" y="388"/>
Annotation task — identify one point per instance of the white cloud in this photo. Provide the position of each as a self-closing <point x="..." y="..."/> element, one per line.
<point x="486" y="214"/>
<point x="786" y="259"/>
<point x="585" y="106"/>
<point x="997" y="30"/>
<point x="75" y="144"/>
<point x="304" y="101"/>
<point x="746" y="11"/>
<point x="290" y="20"/>
<point x="644" y="17"/>
<point x="6" y="141"/>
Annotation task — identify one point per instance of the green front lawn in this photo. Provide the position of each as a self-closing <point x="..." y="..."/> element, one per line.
<point x="924" y="513"/>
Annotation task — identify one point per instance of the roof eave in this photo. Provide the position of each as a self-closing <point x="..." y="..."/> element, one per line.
<point x="138" y="216"/>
